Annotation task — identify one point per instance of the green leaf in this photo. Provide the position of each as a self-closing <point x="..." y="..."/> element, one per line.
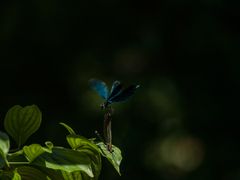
<point x="16" y="176"/>
<point x="49" y="144"/>
<point x="65" y="160"/>
<point x="70" y="130"/>
<point x="96" y="161"/>
<point x="22" y="122"/>
<point x="33" y="151"/>
<point x="2" y="162"/>
<point x="17" y="153"/>
<point x="84" y="145"/>
<point x="10" y="175"/>
<point x="17" y="156"/>
<point x="113" y="157"/>
<point x="72" y="176"/>
<point x="76" y="176"/>
<point x="63" y="175"/>
<point x="76" y="141"/>
<point x="51" y="173"/>
<point x="29" y="173"/>
<point x="4" y="148"/>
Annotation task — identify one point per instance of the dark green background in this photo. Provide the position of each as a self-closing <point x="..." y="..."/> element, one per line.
<point x="183" y="123"/>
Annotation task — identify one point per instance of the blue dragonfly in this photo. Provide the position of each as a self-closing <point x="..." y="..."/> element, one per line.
<point x="117" y="93"/>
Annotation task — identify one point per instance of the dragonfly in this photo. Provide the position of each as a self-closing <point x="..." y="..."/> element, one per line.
<point x="117" y="93"/>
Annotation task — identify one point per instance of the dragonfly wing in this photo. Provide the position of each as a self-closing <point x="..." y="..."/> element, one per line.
<point x="100" y="87"/>
<point x="124" y="94"/>
<point x="116" y="89"/>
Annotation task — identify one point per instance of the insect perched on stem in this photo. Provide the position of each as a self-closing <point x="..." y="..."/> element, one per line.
<point x="117" y="94"/>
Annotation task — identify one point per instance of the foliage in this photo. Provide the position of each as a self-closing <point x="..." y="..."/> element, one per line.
<point x="82" y="161"/>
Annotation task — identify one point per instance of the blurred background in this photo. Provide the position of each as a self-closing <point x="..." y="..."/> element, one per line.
<point x="182" y="124"/>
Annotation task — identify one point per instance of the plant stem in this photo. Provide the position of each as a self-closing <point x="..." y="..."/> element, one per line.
<point x="18" y="163"/>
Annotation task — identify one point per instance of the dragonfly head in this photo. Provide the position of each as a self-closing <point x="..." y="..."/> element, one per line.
<point x="103" y="106"/>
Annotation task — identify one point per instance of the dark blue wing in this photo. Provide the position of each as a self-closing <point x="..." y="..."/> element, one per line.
<point x="100" y="87"/>
<point x="116" y="89"/>
<point x="124" y="94"/>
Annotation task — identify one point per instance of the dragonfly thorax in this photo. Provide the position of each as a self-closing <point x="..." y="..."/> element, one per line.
<point x="105" y="105"/>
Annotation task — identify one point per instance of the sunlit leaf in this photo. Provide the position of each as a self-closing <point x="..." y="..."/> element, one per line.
<point x="78" y="175"/>
<point x="22" y="122"/>
<point x="74" y="176"/>
<point x="113" y="157"/>
<point x="66" y="160"/>
<point x="96" y="161"/>
<point x="70" y="130"/>
<point x="83" y="144"/>
<point x="4" y="148"/>
<point x="34" y="150"/>
<point x="16" y="176"/>
<point x="76" y="141"/>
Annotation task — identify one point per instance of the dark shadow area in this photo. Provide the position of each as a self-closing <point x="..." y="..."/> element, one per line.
<point x="182" y="124"/>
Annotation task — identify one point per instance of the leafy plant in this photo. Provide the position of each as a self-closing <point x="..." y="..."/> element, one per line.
<point x="81" y="161"/>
